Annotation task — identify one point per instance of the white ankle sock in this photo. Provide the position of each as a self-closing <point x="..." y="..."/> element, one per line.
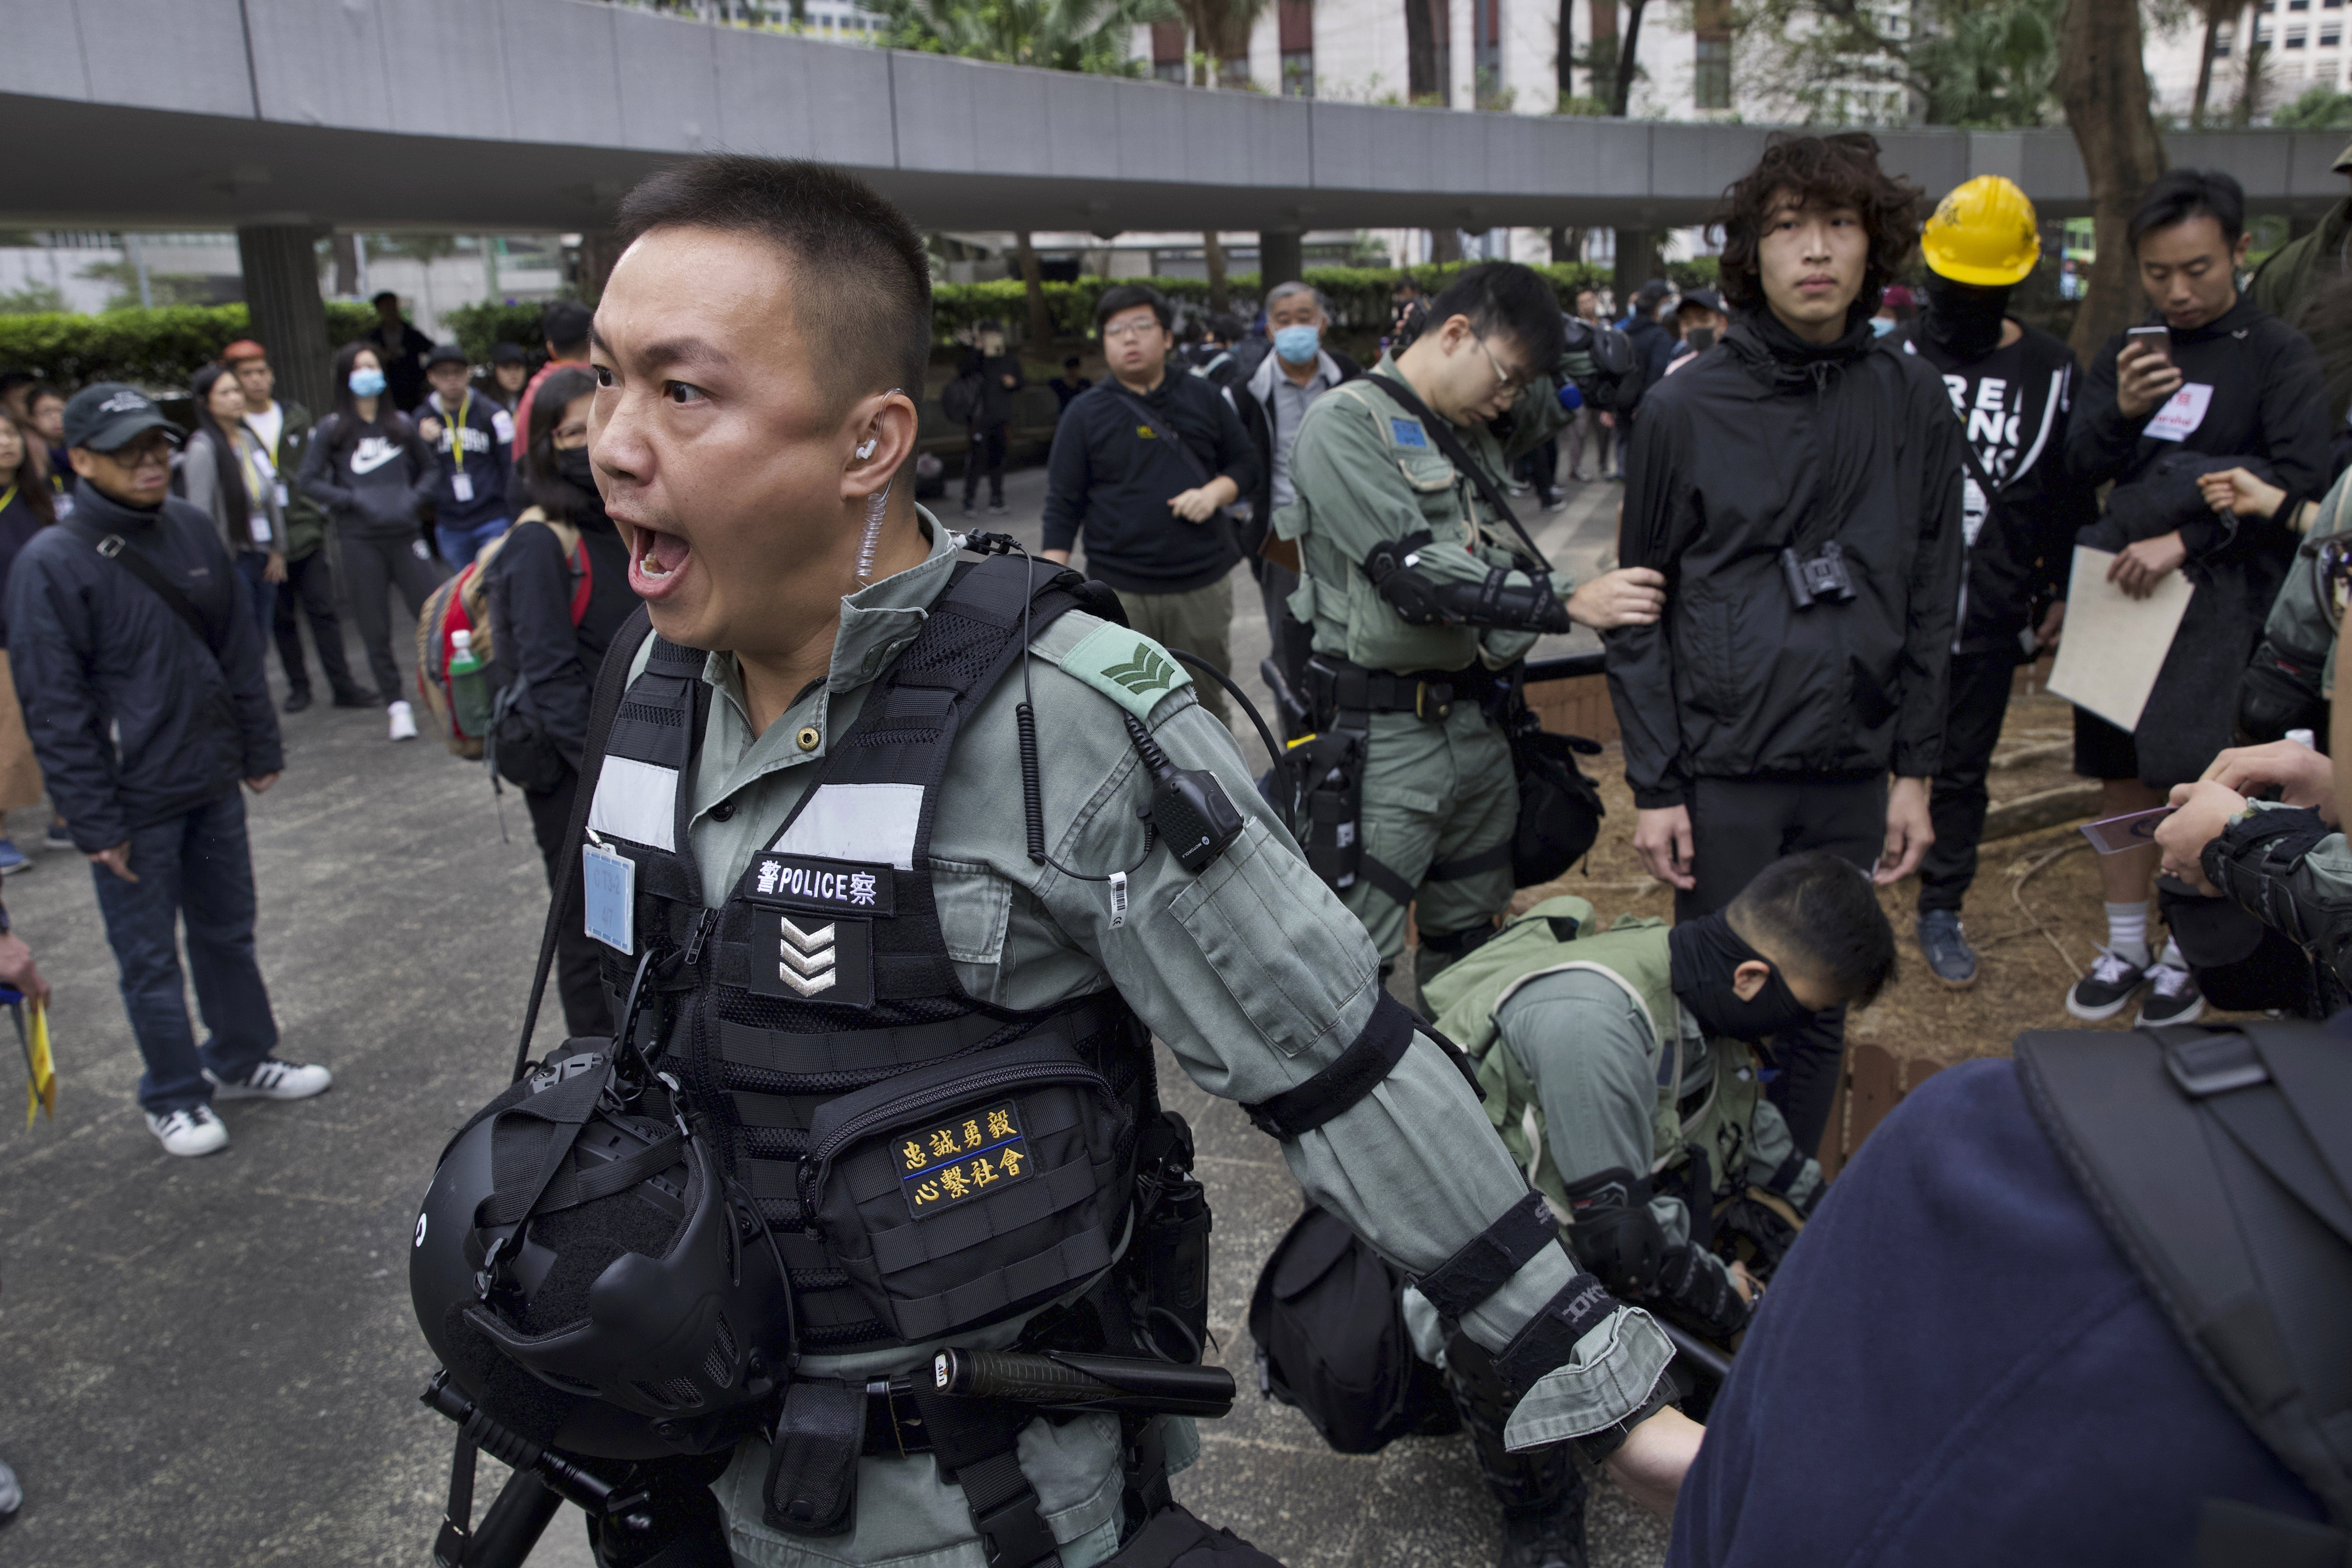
<point x="2127" y="931"/>
<point x="2172" y="954"/>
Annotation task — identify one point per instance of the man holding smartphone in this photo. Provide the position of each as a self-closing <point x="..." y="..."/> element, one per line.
<point x="2212" y="374"/>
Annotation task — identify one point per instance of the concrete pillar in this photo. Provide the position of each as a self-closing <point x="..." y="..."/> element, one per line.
<point x="1278" y="257"/>
<point x="1637" y="263"/>
<point x="281" y="299"/>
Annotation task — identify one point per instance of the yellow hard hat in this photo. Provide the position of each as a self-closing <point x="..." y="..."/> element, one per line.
<point x="1984" y="233"/>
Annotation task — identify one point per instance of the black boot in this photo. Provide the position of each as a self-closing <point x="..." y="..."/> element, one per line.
<point x="298" y="700"/>
<point x="1541" y="1493"/>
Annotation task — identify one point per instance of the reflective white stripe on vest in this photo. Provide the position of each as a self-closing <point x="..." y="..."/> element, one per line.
<point x="856" y="821"/>
<point x="638" y="801"/>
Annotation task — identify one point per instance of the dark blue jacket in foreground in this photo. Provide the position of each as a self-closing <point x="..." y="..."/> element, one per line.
<point x="133" y="719"/>
<point x="1955" y="1366"/>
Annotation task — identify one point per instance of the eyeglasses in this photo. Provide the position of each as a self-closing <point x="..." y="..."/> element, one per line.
<point x="1504" y="380"/>
<point x="153" y="447"/>
<point x="1130" y="329"/>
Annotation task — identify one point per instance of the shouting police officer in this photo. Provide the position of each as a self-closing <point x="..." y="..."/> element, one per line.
<point x="852" y="950"/>
<point x="1416" y="599"/>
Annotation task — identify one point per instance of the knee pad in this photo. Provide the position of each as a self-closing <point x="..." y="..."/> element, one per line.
<point x="1614" y="1234"/>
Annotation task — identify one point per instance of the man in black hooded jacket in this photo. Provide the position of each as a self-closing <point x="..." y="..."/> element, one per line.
<point x="1801" y="493"/>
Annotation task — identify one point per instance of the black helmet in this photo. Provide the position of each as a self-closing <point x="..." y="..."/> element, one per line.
<point x="589" y="1277"/>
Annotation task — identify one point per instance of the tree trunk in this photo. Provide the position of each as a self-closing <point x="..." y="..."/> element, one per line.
<point x="1565" y="62"/>
<point x="1601" y="57"/>
<point x="2104" y="85"/>
<point x="1445" y="245"/>
<point x="347" y="266"/>
<point x="1420" y="53"/>
<point x="1215" y="255"/>
<point x="2256" y="55"/>
<point x="1563" y="249"/>
<point x="1041" y="321"/>
<point x="1623" y="87"/>
<point x="2204" y="72"/>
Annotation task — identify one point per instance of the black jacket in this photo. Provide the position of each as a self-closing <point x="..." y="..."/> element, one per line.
<point x="1653" y="347"/>
<point x="1755" y="440"/>
<point x="1250" y="356"/>
<point x="530" y="589"/>
<point x="1108" y="474"/>
<point x="134" y="721"/>
<point x="2267" y="398"/>
<point x="488" y="437"/>
<point x="994" y="405"/>
<point x="376" y="485"/>
<point x="2013" y="403"/>
<point x="402" y="353"/>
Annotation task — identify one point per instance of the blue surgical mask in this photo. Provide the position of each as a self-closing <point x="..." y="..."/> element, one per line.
<point x="1881" y="325"/>
<point x="1296" y="345"/>
<point x="366" y="382"/>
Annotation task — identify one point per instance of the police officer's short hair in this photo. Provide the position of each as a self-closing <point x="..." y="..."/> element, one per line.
<point x="1127" y="296"/>
<point x="861" y="278"/>
<point x="1822" y="913"/>
<point x="1505" y="298"/>
<point x="2184" y="193"/>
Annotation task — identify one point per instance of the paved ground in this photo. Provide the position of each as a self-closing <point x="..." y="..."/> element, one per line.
<point x="213" y="1362"/>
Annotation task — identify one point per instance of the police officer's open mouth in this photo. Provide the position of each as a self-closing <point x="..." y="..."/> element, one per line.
<point x="659" y="554"/>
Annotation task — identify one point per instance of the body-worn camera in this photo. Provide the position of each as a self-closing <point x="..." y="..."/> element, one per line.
<point x="1824" y="576"/>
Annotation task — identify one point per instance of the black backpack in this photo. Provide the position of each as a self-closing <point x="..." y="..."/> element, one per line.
<point x="1329" y="1319"/>
<point x="961" y="397"/>
<point x="2220" y="1162"/>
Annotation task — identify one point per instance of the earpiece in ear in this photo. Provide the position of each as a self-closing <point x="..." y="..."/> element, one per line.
<point x="866" y="450"/>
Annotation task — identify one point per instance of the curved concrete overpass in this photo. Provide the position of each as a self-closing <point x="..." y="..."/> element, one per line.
<point x="518" y="115"/>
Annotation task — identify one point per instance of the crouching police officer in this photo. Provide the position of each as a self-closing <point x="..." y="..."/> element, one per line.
<point x="1619" y="1068"/>
<point x="1416" y="599"/>
<point x="887" y="983"/>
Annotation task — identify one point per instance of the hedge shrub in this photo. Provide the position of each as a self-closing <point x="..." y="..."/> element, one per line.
<point x="156" y="348"/>
<point x="162" y="348"/>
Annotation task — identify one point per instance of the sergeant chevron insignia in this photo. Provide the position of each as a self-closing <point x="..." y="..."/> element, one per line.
<point x="1131" y="670"/>
<point x="827" y="961"/>
<point x="808" y="958"/>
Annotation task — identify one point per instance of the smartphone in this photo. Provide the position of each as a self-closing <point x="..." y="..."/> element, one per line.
<point x="2157" y="339"/>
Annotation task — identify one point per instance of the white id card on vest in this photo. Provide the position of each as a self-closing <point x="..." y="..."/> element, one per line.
<point x="609" y="882"/>
<point x="461" y="484"/>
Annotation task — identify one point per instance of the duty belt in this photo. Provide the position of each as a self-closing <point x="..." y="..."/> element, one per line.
<point x="1334" y="685"/>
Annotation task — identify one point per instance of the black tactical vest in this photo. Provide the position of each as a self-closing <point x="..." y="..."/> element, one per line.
<point x="928" y="1161"/>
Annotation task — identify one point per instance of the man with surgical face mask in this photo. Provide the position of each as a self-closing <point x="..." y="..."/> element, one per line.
<point x="1292" y="368"/>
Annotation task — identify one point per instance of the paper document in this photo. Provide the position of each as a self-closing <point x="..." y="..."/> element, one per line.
<point x="2115" y="643"/>
<point x="2132" y="830"/>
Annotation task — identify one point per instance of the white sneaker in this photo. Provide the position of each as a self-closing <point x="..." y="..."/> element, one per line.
<point x="274" y="1079"/>
<point x="190" y="1132"/>
<point x="403" y="722"/>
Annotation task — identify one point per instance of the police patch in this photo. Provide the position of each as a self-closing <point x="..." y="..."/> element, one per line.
<point x="962" y="1158"/>
<point x="1408" y="432"/>
<point x="1125" y="666"/>
<point x="820" y="883"/>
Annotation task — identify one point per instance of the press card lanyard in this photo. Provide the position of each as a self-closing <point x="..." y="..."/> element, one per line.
<point x="461" y="485"/>
<point x="7" y="498"/>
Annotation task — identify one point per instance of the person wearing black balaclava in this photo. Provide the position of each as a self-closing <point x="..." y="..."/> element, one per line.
<point x="559" y="590"/>
<point x="2011" y="386"/>
<point x="1800" y="487"/>
<point x="1576" y="1027"/>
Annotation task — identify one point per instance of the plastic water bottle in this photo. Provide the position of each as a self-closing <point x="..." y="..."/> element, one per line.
<point x="469" y="689"/>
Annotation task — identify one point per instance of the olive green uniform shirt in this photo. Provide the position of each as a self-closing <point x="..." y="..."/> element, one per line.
<point x="1251" y="973"/>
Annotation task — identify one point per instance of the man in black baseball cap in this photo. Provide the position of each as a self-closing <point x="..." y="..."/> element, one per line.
<point x="137" y="661"/>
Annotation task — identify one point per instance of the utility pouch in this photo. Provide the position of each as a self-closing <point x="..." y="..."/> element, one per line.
<point x="1332" y="767"/>
<point x="1169" y="1258"/>
<point x="1172" y="1538"/>
<point x="813" y="1466"/>
<point x="967" y="1192"/>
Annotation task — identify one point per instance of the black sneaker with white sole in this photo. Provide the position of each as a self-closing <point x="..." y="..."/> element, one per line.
<point x="2172" y="998"/>
<point x="2107" y="990"/>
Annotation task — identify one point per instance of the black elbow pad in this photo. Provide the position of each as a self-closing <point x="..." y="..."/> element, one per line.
<point x="1614" y="1234"/>
<point x="1414" y="597"/>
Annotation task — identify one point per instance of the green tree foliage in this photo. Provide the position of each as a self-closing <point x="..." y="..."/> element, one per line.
<point x="480" y="327"/>
<point x="1089" y="36"/>
<point x="2320" y="108"/>
<point x="158" y="349"/>
<point x="1984" y="64"/>
<point x="32" y="300"/>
